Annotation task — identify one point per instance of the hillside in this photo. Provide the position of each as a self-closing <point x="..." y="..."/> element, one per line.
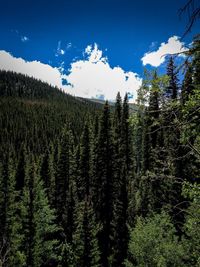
<point x="34" y="113"/>
<point x="90" y="184"/>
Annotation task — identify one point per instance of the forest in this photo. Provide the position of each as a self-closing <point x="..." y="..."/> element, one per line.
<point x="85" y="184"/>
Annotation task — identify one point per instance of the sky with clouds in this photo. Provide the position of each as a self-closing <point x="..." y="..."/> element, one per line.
<point x="91" y="48"/>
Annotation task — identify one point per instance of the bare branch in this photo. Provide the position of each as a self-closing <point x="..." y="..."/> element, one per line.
<point x="193" y="14"/>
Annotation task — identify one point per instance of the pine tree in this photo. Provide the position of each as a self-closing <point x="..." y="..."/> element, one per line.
<point x="187" y="87"/>
<point x="84" y="185"/>
<point x="119" y="224"/>
<point x="93" y="159"/>
<point x="117" y="144"/>
<point x="156" y="158"/>
<point x="119" y="231"/>
<point x="20" y="173"/>
<point x="127" y="149"/>
<point x="196" y="61"/>
<point x="48" y="174"/>
<point x="153" y="109"/>
<point x="38" y="221"/>
<point x="126" y="134"/>
<point x="146" y="144"/>
<point x="172" y="89"/>
<point x="103" y="184"/>
<point x="12" y="237"/>
<point x="76" y="172"/>
<point x="85" y="240"/>
<point x="64" y="184"/>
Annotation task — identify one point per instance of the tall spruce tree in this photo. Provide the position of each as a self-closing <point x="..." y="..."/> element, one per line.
<point x="172" y="88"/>
<point x="65" y="185"/>
<point x="103" y="184"/>
<point x="196" y="61"/>
<point x="126" y="137"/>
<point x="117" y="144"/>
<point x="48" y="174"/>
<point x="84" y="185"/>
<point x="153" y="109"/>
<point x="121" y="163"/>
<point x="20" y="172"/>
<point x="119" y="224"/>
<point x="38" y="221"/>
<point x="187" y="86"/>
<point x="85" y="242"/>
<point x="12" y="238"/>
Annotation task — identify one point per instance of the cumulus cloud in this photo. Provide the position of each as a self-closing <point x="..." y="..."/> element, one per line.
<point x="36" y="69"/>
<point x="92" y="77"/>
<point x="172" y="46"/>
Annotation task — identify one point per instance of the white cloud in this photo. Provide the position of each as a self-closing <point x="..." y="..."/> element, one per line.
<point x="156" y="58"/>
<point x="90" y="77"/>
<point x="59" y="51"/>
<point x="94" y="76"/>
<point x="34" y="69"/>
<point x="24" y="39"/>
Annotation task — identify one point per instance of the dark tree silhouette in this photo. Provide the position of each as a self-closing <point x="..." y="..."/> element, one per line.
<point x="192" y="9"/>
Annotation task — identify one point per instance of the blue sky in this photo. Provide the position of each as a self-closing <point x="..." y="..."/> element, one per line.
<point x="58" y="32"/>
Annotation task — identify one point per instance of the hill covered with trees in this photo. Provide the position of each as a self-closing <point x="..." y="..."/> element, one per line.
<point x="87" y="185"/>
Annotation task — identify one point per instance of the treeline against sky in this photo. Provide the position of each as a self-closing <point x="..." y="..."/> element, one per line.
<point x="87" y="185"/>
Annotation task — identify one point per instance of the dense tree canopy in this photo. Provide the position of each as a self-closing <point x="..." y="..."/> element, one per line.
<point x="92" y="185"/>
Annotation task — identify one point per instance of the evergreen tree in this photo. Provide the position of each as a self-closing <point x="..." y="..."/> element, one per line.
<point x="85" y="240"/>
<point x="38" y="221"/>
<point x="172" y="89"/>
<point x="93" y="159"/>
<point x="117" y="145"/>
<point x="153" y="109"/>
<point x="126" y="137"/>
<point x="103" y="184"/>
<point x="187" y="87"/>
<point x="20" y="173"/>
<point x="84" y="185"/>
<point x="64" y="185"/>
<point x="119" y="233"/>
<point x="196" y="61"/>
<point x="48" y="174"/>
<point x="12" y="237"/>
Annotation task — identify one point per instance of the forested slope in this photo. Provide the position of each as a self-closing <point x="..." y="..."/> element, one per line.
<point x="87" y="185"/>
<point x="33" y="113"/>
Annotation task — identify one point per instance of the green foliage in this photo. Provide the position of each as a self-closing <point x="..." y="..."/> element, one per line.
<point x="153" y="242"/>
<point x="44" y="225"/>
<point x="172" y="88"/>
<point x="84" y="183"/>
<point x="64" y="184"/>
<point x="13" y="233"/>
<point x="33" y="113"/>
<point x="103" y="184"/>
<point x="38" y="221"/>
<point x="71" y="181"/>
<point x="85" y="242"/>
<point x="192" y="224"/>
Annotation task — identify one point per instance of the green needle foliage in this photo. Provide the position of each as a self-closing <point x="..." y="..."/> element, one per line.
<point x="92" y="185"/>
